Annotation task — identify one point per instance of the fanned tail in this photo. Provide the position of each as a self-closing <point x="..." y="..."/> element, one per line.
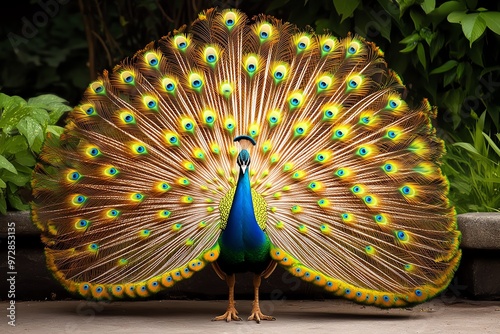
<point x="345" y="175"/>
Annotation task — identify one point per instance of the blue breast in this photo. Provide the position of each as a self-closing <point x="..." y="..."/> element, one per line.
<point x="242" y="235"/>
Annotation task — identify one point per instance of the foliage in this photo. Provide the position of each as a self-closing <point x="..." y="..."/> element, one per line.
<point x="474" y="176"/>
<point x="24" y="125"/>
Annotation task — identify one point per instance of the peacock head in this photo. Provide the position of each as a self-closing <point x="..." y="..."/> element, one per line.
<point x="243" y="159"/>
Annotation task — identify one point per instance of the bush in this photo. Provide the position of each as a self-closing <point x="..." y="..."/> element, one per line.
<point x="24" y="125"/>
<point x="474" y="176"/>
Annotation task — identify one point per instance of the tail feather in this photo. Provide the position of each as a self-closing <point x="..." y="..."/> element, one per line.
<point x="133" y="197"/>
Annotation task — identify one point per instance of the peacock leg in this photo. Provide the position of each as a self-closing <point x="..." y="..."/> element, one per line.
<point x="231" y="313"/>
<point x="256" y="313"/>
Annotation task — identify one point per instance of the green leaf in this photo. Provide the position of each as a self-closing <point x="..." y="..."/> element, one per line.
<point x="473" y="26"/>
<point x="405" y="4"/>
<point x="55" y="105"/>
<point x="25" y="158"/>
<point x="492" y="20"/>
<point x="492" y="144"/>
<point x="417" y="19"/>
<point x="345" y="8"/>
<point x="446" y="8"/>
<point x="428" y="6"/>
<point x="40" y="115"/>
<point x="3" y="204"/>
<point x="15" y="144"/>
<point x="54" y="129"/>
<point x="476" y="53"/>
<point x="11" y="116"/>
<point x="462" y="186"/>
<point x="32" y="131"/>
<point x="436" y="45"/>
<point x="456" y="17"/>
<point x="6" y="164"/>
<point x="45" y="100"/>
<point x="448" y="78"/>
<point x="414" y="38"/>
<point x="409" y="47"/>
<point x="421" y="55"/>
<point x="3" y="185"/>
<point x="20" y="180"/>
<point x="16" y="202"/>
<point x="8" y="102"/>
<point x="468" y="147"/>
<point x="450" y="64"/>
<point x="427" y="34"/>
<point x="478" y="138"/>
<point x="460" y="70"/>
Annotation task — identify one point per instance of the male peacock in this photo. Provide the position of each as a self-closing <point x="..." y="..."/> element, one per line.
<point x="247" y="144"/>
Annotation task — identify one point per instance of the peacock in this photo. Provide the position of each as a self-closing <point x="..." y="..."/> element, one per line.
<point x="246" y="143"/>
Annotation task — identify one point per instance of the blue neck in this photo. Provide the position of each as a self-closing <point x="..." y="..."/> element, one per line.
<point x="242" y="231"/>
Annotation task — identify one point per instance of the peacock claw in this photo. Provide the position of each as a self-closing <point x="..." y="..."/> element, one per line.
<point x="257" y="316"/>
<point x="231" y="314"/>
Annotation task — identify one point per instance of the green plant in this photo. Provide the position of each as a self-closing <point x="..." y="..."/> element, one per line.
<point x="474" y="171"/>
<point x="23" y="127"/>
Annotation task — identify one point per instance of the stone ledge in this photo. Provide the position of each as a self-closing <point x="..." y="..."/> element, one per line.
<point x="480" y="230"/>
<point x="22" y="219"/>
<point x="478" y="274"/>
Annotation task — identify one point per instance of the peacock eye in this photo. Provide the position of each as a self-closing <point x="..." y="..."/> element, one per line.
<point x="150" y="102"/>
<point x="265" y="31"/>
<point x="353" y="48"/>
<point x="230" y="19"/>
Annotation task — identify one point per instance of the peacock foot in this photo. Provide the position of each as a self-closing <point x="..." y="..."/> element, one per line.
<point x="231" y="314"/>
<point x="258" y="316"/>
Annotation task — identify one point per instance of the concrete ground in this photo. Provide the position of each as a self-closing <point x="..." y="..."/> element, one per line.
<point x="184" y="316"/>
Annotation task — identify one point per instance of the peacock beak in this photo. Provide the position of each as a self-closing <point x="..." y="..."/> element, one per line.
<point x="244" y="168"/>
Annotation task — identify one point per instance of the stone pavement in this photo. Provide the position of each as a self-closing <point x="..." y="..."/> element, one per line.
<point x="440" y="315"/>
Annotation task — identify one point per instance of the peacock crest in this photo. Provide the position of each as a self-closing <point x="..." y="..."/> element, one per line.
<point x="344" y="179"/>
